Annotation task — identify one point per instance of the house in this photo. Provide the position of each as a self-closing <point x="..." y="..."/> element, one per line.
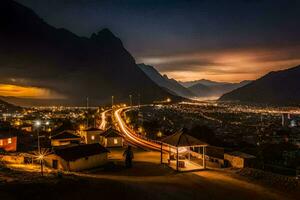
<point x="91" y="135"/>
<point x="238" y="159"/>
<point x="65" y="138"/>
<point x="77" y="158"/>
<point x="111" y="138"/>
<point x="8" y="142"/>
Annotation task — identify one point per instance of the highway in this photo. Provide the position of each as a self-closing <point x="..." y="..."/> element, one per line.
<point x="103" y="119"/>
<point x="131" y="136"/>
<point x="136" y="139"/>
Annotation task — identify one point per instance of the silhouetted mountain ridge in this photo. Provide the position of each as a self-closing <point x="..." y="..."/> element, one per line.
<point x="165" y="82"/>
<point x="34" y="53"/>
<point x="205" y="82"/>
<point x="277" y="87"/>
<point x="215" y="89"/>
<point x="7" y="107"/>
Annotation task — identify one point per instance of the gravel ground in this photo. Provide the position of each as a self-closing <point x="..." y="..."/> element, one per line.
<point x="146" y="180"/>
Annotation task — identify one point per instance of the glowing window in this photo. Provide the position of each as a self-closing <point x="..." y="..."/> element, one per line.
<point x="115" y="141"/>
<point x="93" y="137"/>
<point x="9" y="141"/>
<point x="1" y="142"/>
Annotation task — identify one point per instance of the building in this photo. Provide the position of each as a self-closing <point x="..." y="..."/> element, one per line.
<point x="214" y="157"/>
<point x="91" y="135"/>
<point x="77" y="158"/>
<point x="238" y="159"/>
<point x="111" y="138"/>
<point x="8" y="142"/>
<point x="27" y="128"/>
<point x="181" y="155"/>
<point x="65" y="138"/>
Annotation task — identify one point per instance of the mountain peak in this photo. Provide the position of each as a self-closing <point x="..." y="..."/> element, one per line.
<point x="105" y="36"/>
<point x="100" y="63"/>
<point x="103" y="33"/>
<point x="275" y="88"/>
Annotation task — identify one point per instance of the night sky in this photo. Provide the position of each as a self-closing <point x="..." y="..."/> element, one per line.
<point x="188" y="40"/>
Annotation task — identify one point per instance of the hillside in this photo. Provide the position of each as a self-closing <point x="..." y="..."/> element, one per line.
<point x="165" y="82"/>
<point x="7" y="107"/>
<point x="33" y="53"/>
<point x="278" y="88"/>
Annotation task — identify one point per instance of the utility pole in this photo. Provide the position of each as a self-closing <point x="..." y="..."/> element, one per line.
<point x="87" y="112"/>
<point x="42" y="167"/>
<point x="139" y="101"/>
<point x="38" y="135"/>
<point x="37" y="125"/>
<point x="130" y="100"/>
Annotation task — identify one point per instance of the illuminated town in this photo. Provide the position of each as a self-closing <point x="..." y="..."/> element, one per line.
<point x="80" y="119"/>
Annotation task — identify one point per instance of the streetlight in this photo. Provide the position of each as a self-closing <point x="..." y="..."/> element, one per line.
<point x="40" y="156"/>
<point x="37" y="125"/>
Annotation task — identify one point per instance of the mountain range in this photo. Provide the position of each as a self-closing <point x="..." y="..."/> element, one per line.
<point x="205" y="82"/>
<point x="7" y="107"/>
<point x="206" y="88"/>
<point x="276" y="88"/>
<point x="165" y="82"/>
<point x="36" y="54"/>
<point x="201" y="88"/>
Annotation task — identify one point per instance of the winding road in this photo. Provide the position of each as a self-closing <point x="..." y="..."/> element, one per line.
<point x="132" y="137"/>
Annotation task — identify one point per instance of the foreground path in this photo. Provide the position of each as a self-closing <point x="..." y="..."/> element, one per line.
<point x="147" y="180"/>
<point x="159" y="182"/>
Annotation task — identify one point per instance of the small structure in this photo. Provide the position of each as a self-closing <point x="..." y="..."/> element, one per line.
<point x="26" y="127"/>
<point x="111" y="138"/>
<point x="8" y="142"/>
<point x="215" y="157"/>
<point x="181" y="149"/>
<point x="92" y="135"/>
<point x="77" y="158"/>
<point x="238" y="159"/>
<point x="65" y="138"/>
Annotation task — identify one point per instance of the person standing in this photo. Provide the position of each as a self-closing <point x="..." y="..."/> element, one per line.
<point x="128" y="154"/>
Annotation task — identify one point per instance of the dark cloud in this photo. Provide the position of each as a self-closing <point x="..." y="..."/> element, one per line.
<point x="166" y="29"/>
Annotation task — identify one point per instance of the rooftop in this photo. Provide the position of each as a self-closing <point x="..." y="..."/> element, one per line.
<point x="111" y="133"/>
<point x="73" y="153"/>
<point x="182" y="139"/>
<point x="65" y="135"/>
<point x="93" y="129"/>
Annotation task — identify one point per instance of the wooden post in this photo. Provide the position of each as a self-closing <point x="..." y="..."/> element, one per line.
<point x="177" y="159"/>
<point x="204" y="165"/>
<point x="42" y="171"/>
<point x="161" y="153"/>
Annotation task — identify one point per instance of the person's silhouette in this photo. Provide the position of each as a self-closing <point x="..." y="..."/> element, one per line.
<point x="128" y="154"/>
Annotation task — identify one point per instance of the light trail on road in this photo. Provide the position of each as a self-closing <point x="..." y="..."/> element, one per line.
<point x="103" y="119"/>
<point x="132" y="137"/>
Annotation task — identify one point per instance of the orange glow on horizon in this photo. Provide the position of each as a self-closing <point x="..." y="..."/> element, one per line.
<point x="229" y="65"/>
<point x="27" y="92"/>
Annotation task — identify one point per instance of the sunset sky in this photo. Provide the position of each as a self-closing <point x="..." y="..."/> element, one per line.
<point x="191" y="40"/>
<point x="188" y="40"/>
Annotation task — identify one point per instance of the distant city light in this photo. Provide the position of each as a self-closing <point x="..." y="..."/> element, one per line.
<point x="37" y="123"/>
